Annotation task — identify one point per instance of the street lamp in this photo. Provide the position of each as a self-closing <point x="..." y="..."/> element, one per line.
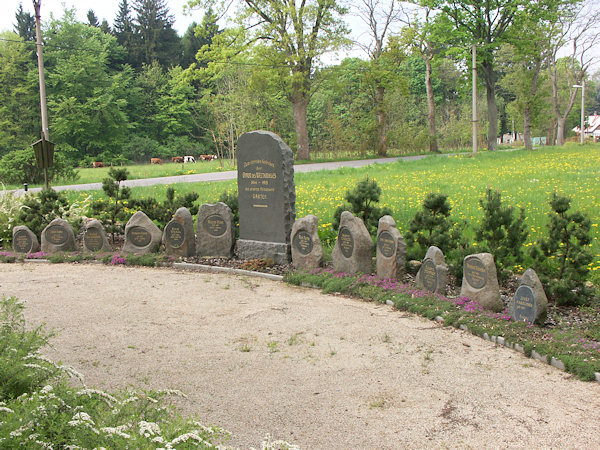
<point x="582" y="86"/>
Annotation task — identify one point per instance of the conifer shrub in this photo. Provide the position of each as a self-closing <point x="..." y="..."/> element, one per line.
<point x="162" y="213"/>
<point x="562" y="257"/>
<point x="112" y="213"/>
<point x="231" y="200"/>
<point x="45" y="206"/>
<point x="362" y="202"/>
<point x="501" y="232"/>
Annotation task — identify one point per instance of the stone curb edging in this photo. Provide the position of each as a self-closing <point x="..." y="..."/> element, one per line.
<point x="217" y="269"/>
<point x="498" y="340"/>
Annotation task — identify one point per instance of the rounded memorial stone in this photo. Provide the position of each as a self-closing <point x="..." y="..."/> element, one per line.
<point x="93" y="239"/>
<point x="215" y="225"/>
<point x="139" y="236"/>
<point x="524" y="304"/>
<point x="386" y="244"/>
<point x="303" y="242"/>
<point x="56" y="235"/>
<point x="22" y="242"/>
<point x="346" y="242"/>
<point x="175" y="234"/>
<point x="475" y="272"/>
<point x="429" y="276"/>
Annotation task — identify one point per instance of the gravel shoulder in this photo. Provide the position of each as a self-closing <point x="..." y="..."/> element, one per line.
<point x="257" y="356"/>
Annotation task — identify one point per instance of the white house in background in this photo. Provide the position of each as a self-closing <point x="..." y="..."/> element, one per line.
<point x="593" y="127"/>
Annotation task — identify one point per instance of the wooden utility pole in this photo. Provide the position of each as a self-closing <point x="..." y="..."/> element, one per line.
<point x="37" y="4"/>
<point x="474" y="98"/>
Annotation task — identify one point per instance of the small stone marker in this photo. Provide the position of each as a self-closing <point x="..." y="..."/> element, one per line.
<point x="480" y="281"/>
<point x="141" y="235"/>
<point x="307" y="252"/>
<point x="178" y="237"/>
<point x="353" y="251"/>
<point x="391" y="249"/>
<point x="266" y="195"/>
<point x="433" y="273"/>
<point x="530" y="302"/>
<point x="94" y="237"/>
<point x="214" y="230"/>
<point x="58" y="236"/>
<point x="24" y="240"/>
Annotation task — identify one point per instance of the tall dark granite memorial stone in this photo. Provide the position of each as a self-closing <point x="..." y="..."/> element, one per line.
<point x="530" y="302"/>
<point x="94" y="237"/>
<point x="353" y="250"/>
<point x="24" y="240"/>
<point x="480" y="281"/>
<point x="307" y="252"/>
<point x="267" y="197"/>
<point x="58" y="236"/>
<point x="214" y="230"/>
<point x="391" y="249"/>
<point x="141" y="235"/>
<point x="433" y="274"/>
<point x="178" y="236"/>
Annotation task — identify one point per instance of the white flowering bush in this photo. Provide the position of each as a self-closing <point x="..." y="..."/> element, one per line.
<point x="10" y="208"/>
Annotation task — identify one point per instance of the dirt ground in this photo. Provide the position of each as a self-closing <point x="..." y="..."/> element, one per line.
<point x="320" y="371"/>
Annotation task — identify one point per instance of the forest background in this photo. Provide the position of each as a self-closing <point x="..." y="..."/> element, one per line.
<point x="135" y="89"/>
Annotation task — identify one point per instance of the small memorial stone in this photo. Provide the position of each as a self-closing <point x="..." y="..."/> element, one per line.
<point x="266" y="196"/>
<point x="353" y="251"/>
<point x="24" y="240"/>
<point x="214" y="230"/>
<point x="58" y="236"/>
<point x="530" y="302"/>
<point x="307" y="252"/>
<point x="480" y="281"/>
<point x="94" y="237"/>
<point x="391" y="249"/>
<point x="433" y="273"/>
<point x="178" y="237"/>
<point x="141" y="235"/>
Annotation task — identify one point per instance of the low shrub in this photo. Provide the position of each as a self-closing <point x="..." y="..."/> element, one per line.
<point x="20" y="167"/>
<point x="10" y="209"/>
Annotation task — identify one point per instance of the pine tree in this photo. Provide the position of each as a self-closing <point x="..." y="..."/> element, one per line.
<point x="92" y="19"/>
<point x="123" y="30"/>
<point x="25" y="26"/>
<point x="197" y="36"/>
<point x="158" y="40"/>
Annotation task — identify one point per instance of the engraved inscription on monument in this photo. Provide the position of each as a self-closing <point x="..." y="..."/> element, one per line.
<point x="93" y="239"/>
<point x="303" y="242"/>
<point x="139" y="237"/>
<point x="475" y="272"/>
<point x="258" y="178"/>
<point x="429" y="276"/>
<point x="346" y="242"/>
<point x="215" y="225"/>
<point x="22" y="242"/>
<point x="175" y="234"/>
<point x="56" y="235"/>
<point x="524" y="304"/>
<point x="386" y="244"/>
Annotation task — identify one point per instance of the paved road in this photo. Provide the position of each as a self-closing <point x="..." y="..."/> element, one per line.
<point x="231" y="174"/>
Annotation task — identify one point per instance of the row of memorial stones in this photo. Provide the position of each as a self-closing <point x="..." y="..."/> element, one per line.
<point x="215" y="235"/>
<point x="354" y="249"/>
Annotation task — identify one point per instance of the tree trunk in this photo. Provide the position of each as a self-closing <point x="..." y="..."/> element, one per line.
<point x="300" y="103"/>
<point x="560" y="130"/>
<point x="492" y="109"/>
<point x="433" y="144"/>
<point x="381" y="122"/>
<point x="527" y="127"/>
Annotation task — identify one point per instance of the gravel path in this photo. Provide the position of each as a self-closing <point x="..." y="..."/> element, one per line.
<point x="257" y="356"/>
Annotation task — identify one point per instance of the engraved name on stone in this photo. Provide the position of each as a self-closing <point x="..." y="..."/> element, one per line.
<point x="22" y="242"/>
<point x="524" y="304"/>
<point x="429" y="276"/>
<point x="386" y="244"/>
<point x="139" y="236"/>
<point x="475" y="272"/>
<point x="93" y="239"/>
<point x="346" y="242"/>
<point x="56" y="235"/>
<point x="175" y="234"/>
<point x="258" y="179"/>
<point x="303" y="242"/>
<point x="215" y="225"/>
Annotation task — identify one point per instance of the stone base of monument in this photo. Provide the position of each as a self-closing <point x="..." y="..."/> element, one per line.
<point x="279" y="252"/>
